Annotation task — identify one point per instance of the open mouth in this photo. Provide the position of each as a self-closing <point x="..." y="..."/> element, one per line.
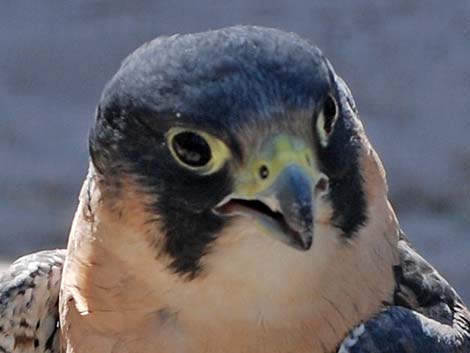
<point x="274" y="221"/>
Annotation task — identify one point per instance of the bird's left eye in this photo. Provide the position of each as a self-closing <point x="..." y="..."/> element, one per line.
<point x="326" y="119"/>
<point x="197" y="150"/>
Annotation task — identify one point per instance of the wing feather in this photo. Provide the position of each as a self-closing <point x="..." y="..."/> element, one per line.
<point x="29" y="292"/>
<point x="427" y="315"/>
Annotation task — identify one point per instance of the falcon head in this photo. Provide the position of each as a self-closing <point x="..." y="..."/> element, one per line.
<point x="238" y="133"/>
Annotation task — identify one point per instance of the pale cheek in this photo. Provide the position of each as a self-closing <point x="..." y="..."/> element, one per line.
<point x="323" y="211"/>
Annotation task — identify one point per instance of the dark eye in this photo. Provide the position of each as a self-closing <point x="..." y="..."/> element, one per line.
<point x="191" y="149"/>
<point x="197" y="150"/>
<point x="330" y="110"/>
<point x="326" y="119"/>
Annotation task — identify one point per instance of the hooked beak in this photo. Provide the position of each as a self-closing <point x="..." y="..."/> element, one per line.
<point x="282" y="204"/>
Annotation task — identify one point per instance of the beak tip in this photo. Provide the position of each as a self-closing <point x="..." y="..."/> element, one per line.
<point x="308" y="243"/>
<point x="303" y="242"/>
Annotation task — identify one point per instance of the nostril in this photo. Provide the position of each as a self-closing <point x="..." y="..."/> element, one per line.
<point x="263" y="172"/>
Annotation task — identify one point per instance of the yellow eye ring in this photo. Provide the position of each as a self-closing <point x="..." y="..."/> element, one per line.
<point x="197" y="150"/>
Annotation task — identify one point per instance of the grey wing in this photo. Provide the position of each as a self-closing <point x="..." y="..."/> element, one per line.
<point x="29" y="292"/>
<point x="427" y="315"/>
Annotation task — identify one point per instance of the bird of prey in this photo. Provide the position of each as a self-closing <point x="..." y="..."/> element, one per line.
<point x="233" y="204"/>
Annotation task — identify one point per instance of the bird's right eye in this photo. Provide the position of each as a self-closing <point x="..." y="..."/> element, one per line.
<point x="191" y="149"/>
<point x="197" y="150"/>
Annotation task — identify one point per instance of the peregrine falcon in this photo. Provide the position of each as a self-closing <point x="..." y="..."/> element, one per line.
<point x="233" y="204"/>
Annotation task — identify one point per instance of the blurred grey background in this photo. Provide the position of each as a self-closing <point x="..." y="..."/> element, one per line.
<point x="407" y="63"/>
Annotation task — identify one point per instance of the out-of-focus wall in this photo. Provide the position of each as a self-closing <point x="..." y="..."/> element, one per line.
<point x="406" y="62"/>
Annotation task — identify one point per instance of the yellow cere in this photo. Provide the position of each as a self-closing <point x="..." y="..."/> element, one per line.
<point x="220" y="153"/>
<point x="276" y="154"/>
